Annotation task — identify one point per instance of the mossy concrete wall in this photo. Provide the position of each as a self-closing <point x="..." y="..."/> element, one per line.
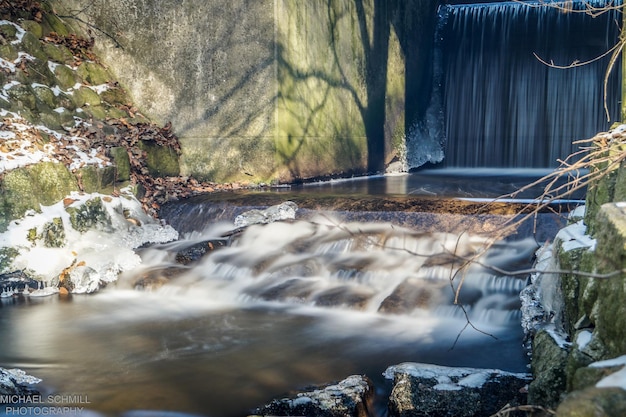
<point x="268" y="89"/>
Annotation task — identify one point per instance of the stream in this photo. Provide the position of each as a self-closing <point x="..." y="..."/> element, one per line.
<point x="281" y="306"/>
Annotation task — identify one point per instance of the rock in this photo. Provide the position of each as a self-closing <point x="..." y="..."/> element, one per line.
<point x="283" y="211"/>
<point x="194" y="252"/>
<point x="350" y="397"/>
<point x="594" y="402"/>
<point x="423" y="390"/>
<point x="17" y="382"/>
<point x="548" y="368"/>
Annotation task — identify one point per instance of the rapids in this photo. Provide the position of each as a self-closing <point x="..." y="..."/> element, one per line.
<point x="273" y="308"/>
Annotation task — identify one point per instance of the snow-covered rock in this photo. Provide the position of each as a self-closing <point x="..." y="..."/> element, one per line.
<point x="424" y="390"/>
<point x="283" y="211"/>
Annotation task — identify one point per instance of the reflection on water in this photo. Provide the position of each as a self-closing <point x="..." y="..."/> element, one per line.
<point x="130" y="350"/>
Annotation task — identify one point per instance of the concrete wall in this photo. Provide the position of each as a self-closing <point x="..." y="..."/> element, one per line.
<point x="267" y="89"/>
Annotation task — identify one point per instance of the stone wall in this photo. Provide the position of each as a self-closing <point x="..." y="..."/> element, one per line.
<point x="271" y="89"/>
<point x="568" y="355"/>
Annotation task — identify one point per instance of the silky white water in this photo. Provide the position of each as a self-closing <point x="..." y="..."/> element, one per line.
<point x="282" y="306"/>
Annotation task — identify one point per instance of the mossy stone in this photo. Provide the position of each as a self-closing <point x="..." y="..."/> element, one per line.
<point x="122" y="163"/>
<point x="586" y="377"/>
<point x="52" y="23"/>
<point x="8" y="31"/>
<point x="36" y="72"/>
<point x="66" y="77"/>
<point x="548" y="369"/>
<point x="23" y="97"/>
<point x="58" y="53"/>
<point x="115" y="113"/>
<point x="8" y="52"/>
<point x="94" y="179"/>
<point x="114" y="96"/>
<point x="594" y="402"/>
<point x="56" y="120"/>
<point x="33" y="27"/>
<point x="91" y="214"/>
<point x="7" y="255"/>
<point x="97" y="111"/>
<point x="161" y="161"/>
<point x="85" y="96"/>
<point x="32" y="45"/>
<point x="54" y="182"/>
<point x="45" y="95"/>
<point x="93" y="73"/>
<point x="53" y="233"/>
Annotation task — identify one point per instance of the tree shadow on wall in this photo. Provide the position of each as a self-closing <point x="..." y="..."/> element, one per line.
<point x="354" y="73"/>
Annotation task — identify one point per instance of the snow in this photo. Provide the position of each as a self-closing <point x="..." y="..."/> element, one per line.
<point x="616" y="379"/>
<point x="583" y="338"/>
<point x="446" y="376"/>
<point x="105" y="252"/>
<point x="574" y="237"/>
<point x="22" y="151"/>
<point x="619" y="361"/>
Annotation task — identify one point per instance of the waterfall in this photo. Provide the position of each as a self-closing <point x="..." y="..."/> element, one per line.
<point x="499" y="105"/>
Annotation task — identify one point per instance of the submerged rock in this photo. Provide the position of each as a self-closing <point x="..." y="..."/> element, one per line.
<point x="350" y="397"/>
<point x="423" y="390"/>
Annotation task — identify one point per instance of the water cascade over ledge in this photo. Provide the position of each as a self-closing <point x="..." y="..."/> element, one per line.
<point x="274" y="307"/>
<point x="495" y="104"/>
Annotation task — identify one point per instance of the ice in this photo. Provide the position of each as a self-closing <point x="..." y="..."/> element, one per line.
<point x="93" y="257"/>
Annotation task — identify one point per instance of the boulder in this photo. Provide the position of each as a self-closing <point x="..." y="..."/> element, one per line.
<point x="350" y="397"/>
<point x="424" y="390"/>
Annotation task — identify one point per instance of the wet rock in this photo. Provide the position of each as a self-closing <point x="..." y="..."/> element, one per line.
<point x="423" y="390"/>
<point x="283" y="211"/>
<point x="350" y="397"/>
<point x="17" y="382"/>
<point x="193" y="253"/>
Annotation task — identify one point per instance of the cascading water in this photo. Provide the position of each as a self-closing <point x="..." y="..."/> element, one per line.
<point x="275" y="307"/>
<point x="497" y="104"/>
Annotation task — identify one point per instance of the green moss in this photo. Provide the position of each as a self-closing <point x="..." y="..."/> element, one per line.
<point x="89" y="215"/>
<point x="52" y="23"/>
<point x="66" y="77"/>
<point x="85" y="96"/>
<point x="93" y="73"/>
<point x="594" y="402"/>
<point x="8" y="31"/>
<point x="32" y="45"/>
<point x="7" y="255"/>
<point x="161" y="161"/>
<point x="94" y="179"/>
<point x="54" y="233"/>
<point x="36" y="72"/>
<point x="45" y="95"/>
<point x="96" y="111"/>
<point x="548" y="369"/>
<point x="33" y="27"/>
<point x="8" y="52"/>
<point x="54" y="182"/>
<point x="122" y="163"/>
<point x="58" y="53"/>
<point x="23" y="97"/>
